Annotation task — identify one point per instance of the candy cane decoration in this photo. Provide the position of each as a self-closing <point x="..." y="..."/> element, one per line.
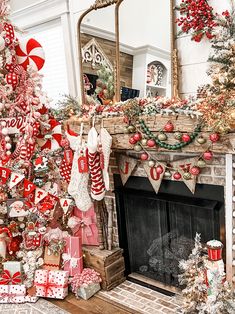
<point x="30" y="52"/>
<point x="54" y="141"/>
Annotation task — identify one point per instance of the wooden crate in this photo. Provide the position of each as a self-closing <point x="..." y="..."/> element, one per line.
<point x="110" y="265"/>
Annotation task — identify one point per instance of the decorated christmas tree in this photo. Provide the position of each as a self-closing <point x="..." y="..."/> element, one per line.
<point x="205" y="289"/>
<point x="222" y="69"/>
<point x="105" y="84"/>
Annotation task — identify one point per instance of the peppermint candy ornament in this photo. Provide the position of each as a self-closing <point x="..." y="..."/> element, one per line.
<point x="51" y="141"/>
<point x="30" y="52"/>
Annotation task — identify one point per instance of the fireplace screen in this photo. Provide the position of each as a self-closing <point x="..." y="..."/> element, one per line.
<point x="157" y="231"/>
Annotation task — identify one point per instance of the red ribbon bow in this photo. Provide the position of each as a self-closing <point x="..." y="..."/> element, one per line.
<point x="7" y="279"/>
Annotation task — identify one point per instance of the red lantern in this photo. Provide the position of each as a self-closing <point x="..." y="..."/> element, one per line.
<point x="186" y="138"/>
<point x="150" y="143"/>
<point x="214" y="137"/>
<point x="169" y="127"/>
<point x="137" y="136"/>
<point x="144" y="156"/>
<point x="195" y="171"/>
<point x="159" y="169"/>
<point x="177" y="176"/>
<point x="132" y="140"/>
<point x="207" y="155"/>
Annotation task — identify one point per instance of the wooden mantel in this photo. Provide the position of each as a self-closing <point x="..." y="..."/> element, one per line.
<point x="115" y="126"/>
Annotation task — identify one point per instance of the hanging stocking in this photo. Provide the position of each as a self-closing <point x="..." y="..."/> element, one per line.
<point x="78" y="186"/>
<point x="97" y="184"/>
<point x="106" y="143"/>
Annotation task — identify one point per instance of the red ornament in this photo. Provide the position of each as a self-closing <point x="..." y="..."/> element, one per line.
<point x="150" y="143"/>
<point x="159" y="169"/>
<point x="214" y="137"/>
<point x="144" y="156"/>
<point x="137" y="136"/>
<point x="169" y="127"/>
<point x="208" y="155"/>
<point x="177" y="176"/>
<point x="186" y="138"/>
<point x="12" y="79"/>
<point x="195" y="171"/>
<point x="132" y="140"/>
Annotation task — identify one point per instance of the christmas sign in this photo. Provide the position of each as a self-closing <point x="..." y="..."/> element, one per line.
<point x="14" y="125"/>
<point x="126" y="166"/>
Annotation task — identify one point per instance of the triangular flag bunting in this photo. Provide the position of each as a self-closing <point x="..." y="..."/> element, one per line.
<point x="126" y="166"/>
<point x="184" y="166"/>
<point x="15" y="179"/>
<point x="65" y="203"/>
<point x="29" y="187"/>
<point x="4" y="174"/>
<point x="155" y="175"/>
<point x="40" y="194"/>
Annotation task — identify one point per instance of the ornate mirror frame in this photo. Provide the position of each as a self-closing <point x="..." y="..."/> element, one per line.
<point x="100" y="4"/>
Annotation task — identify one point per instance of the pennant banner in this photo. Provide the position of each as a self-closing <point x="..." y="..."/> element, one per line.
<point x="184" y="166"/>
<point x="40" y="194"/>
<point x="126" y="166"/>
<point x="15" y="179"/>
<point x="4" y="174"/>
<point x="155" y="175"/>
<point x="65" y="203"/>
<point x="29" y="187"/>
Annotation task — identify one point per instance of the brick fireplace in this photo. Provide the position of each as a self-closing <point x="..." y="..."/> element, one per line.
<point x="219" y="171"/>
<point x="215" y="174"/>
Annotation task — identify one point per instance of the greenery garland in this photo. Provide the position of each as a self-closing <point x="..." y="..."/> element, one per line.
<point x="162" y="144"/>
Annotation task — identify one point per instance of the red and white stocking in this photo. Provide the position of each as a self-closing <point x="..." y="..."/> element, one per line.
<point x="97" y="183"/>
<point x="78" y="186"/>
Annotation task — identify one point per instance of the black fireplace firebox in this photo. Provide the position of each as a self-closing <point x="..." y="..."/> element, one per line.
<point x="156" y="231"/>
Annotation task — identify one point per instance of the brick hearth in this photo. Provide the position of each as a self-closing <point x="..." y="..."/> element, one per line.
<point x="142" y="300"/>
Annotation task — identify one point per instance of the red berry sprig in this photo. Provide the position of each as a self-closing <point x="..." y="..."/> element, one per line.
<point x="197" y="16"/>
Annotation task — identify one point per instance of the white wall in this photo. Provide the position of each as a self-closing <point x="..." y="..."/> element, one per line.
<point x="141" y="22"/>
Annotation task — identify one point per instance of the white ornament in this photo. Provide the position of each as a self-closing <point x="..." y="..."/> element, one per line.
<point x="3" y="123"/>
<point x="7" y="138"/>
<point x="8" y="146"/>
<point x="4" y="131"/>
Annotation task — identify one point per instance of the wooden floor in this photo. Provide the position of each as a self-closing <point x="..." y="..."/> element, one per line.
<point x="95" y="305"/>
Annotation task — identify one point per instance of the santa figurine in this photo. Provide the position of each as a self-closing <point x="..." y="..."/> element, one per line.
<point x="5" y="239"/>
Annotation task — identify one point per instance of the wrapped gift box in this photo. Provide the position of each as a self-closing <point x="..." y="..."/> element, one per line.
<point x="30" y="299"/>
<point x="87" y="230"/>
<point x="51" y="261"/>
<point x="12" y="293"/>
<point x="86" y="292"/>
<point x="51" y="283"/>
<point x="72" y="257"/>
<point x="13" y="267"/>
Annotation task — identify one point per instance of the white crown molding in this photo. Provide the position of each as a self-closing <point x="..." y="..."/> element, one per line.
<point x="101" y="33"/>
<point x="148" y="49"/>
<point x="40" y="12"/>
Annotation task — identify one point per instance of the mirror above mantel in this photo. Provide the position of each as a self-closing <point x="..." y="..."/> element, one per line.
<point x="144" y="49"/>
